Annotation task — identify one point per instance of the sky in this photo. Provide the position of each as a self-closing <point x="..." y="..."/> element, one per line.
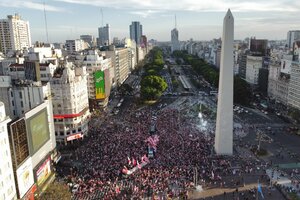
<point x="197" y="19"/>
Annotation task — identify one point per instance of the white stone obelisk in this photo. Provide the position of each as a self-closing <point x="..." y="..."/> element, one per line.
<point x="224" y="125"/>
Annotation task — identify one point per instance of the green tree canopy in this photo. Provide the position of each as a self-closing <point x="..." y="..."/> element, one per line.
<point x="152" y="87"/>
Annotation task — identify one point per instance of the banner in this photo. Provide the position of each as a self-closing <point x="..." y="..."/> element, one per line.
<point x="99" y="84"/>
<point x="44" y="171"/>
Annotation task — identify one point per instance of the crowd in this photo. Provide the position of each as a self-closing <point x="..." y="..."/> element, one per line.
<point x="120" y="144"/>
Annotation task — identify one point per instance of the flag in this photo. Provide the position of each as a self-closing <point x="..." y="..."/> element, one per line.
<point x="125" y="170"/>
<point x="129" y="161"/>
<point x="133" y="162"/>
<point x="117" y="190"/>
<point x="259" y="189"/>
<point x="138" y="165"/>
<point x="145" y="158"/>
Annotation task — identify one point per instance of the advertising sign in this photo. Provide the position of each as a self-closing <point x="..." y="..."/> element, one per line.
<point x="25" y="177"/>
<point x="99" y="84"/>
<point x="74" y="137"/>
<point x="44" y="171"/>
<point x="38" y="128"/>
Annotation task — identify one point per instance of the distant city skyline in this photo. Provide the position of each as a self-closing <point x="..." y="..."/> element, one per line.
<point x="68" y="19"/>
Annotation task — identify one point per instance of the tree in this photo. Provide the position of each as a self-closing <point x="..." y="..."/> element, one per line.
<point x="152" y="87"/>
<point x="56" y="190"/>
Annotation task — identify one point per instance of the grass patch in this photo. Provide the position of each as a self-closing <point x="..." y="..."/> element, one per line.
<point x="293" y="196"/>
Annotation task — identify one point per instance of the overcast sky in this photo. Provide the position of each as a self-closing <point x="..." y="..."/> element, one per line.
<point x="197" y="19"/>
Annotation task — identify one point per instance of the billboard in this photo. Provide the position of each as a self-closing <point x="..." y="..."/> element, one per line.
<point x="44" y="171"/>
<point x="99" y="84"/>
<point x="25" y="177"/>
<point x="38" y="129"/>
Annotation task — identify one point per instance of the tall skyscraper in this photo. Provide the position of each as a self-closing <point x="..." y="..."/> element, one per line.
<point x="174" y="38"/>
<point x="292" y="36"/>
<point x="224" y="126"/>
<point x="14" y="33"/>
<point x="136" y="32"/>
<point x="104" y="36"/>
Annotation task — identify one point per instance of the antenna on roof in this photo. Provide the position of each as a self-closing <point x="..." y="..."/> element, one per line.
<point x="175" y="21"/>
<point x="46" y="26"/>
<point x="101" y="17"/>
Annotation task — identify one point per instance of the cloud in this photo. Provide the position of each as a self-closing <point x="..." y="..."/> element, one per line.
<point x="144" y="13"/>
<point x="192" y="5"/>
<point x="30" y="5"/>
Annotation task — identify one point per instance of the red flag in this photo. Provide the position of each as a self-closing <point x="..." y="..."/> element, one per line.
<point x="145" y="158"/>
<point x="129" y="161"/>
<point x="125" y="170"/>
<point x="138" y="165"/>
<point x="117" y="190"/>
<point x="133" y="162"/>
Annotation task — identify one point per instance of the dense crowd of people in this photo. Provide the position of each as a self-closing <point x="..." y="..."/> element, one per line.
<point x="119" y="144"/>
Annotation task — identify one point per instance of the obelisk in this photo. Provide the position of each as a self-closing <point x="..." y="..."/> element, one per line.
<point x="224" y="125"/>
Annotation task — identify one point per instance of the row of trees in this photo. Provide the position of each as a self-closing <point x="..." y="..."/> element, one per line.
<point x="242" y="90"/>
<point x="152" y="84"/>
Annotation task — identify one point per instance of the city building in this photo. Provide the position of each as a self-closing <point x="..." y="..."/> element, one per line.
<point x="33" y="144"/>
<point x="116" y="41"/>
<point x="89" y="39"/>
<point x="14" y="34"/>
<point x="7" y="178"/>
<point x="133" y="53"/>
<point x="258" y="47"/>
<point x="296" y="51"/>
<point x="218" y="58"/>
<point x="292" y="36"/>
<point x="175" y="40"/>
<point x="144" y="43"/>
<point x="294" y="86"/>
<point x="100" y="78"/>
<point x="70" y="102"/>
<point x="31" y="133"/>
<point x="121" y="62"/>
<point x="278" y="82"/>
<point x="136" y="32"/>
<point x="73" y="46"/>
<point x="253" y="64"/>
<point x="7" y="61"/>
<point x="242" y="60"/>
<point x="104" y="36"/>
